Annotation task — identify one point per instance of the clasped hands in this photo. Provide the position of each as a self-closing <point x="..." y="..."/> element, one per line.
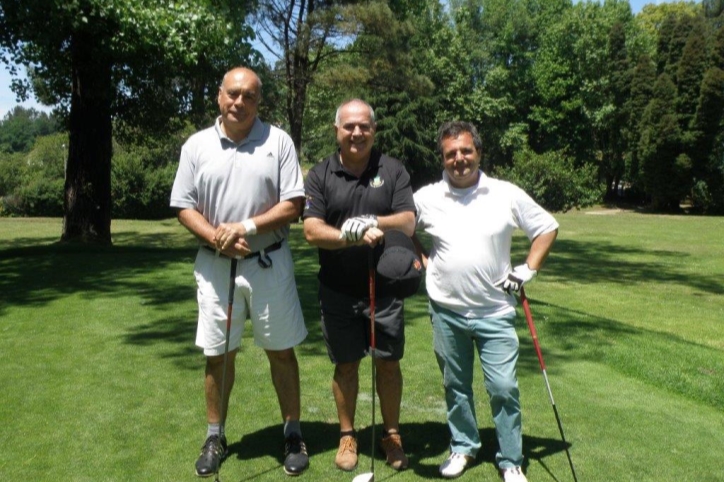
<point x="229" y="238"/>
<point x="361" y="230"/>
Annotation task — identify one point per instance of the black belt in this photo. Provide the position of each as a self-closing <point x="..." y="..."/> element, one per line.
<point x="262" y="255"/>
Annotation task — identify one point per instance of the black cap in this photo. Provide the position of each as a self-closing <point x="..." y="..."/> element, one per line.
<point x="399" y="268"/>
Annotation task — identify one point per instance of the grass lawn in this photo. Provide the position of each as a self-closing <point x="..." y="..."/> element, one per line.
<point x="101" y="380"/>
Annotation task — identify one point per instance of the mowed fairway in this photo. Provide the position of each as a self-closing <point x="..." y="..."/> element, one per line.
<point x="100" y="380"/>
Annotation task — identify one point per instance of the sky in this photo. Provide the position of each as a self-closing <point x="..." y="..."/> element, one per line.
<point x="8" y="99"/>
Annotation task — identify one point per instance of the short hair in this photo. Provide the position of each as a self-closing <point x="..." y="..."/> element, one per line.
<point x="349" y="101"/>
<point x="454" y="129"/>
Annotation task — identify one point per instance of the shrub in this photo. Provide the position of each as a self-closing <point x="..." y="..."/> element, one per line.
<point x="34" y="182"/>
<point x="553" y="181"/>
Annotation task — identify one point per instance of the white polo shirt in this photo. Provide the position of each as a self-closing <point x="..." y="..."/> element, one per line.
<point x="471" y="231"/>
<point x="228" y="182"/>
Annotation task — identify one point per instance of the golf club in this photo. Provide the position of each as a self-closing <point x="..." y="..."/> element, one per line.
<point x="370" y="476"/>
<point x="232" y="286"/>
<point x="534" y="335"/>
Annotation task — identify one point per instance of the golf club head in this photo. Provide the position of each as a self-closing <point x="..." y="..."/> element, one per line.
<point x="366" y="477"/>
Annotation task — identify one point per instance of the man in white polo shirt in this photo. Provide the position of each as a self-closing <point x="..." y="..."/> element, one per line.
<point x="470" y="219"/>
<point x="237" y="188"/>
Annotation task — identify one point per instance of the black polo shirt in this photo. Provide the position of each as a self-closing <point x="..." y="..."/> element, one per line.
<point x="334" y="194"/>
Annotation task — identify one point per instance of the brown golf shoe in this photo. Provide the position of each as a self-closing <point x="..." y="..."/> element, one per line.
<point x="346" y="458"/>
<point x="392" y="446"/>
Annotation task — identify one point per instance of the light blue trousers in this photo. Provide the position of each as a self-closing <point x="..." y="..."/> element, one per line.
<point x="455" y="340"/>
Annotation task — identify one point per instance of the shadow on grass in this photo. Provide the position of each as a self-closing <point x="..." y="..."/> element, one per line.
<point x="423" y="441"/>
<point x="602" y="262"/>
<point x="38" y="275"/>
<point x="663" y="360"/>
<point x="139" y="265"/>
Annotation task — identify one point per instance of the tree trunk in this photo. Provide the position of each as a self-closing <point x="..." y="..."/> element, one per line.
<point x="87" y="202"/>
<point x="296" y="114"/>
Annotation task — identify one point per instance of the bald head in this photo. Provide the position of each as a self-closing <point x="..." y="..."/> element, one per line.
<point x="239" y="96"/>
<point x="243" y="71"/>
<point x="359" y="103"/>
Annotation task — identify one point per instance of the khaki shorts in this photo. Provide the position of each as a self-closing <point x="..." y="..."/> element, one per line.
<point x="266" y="296"/>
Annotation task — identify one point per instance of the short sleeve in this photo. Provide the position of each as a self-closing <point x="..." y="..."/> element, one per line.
<point x="314" y="207"/>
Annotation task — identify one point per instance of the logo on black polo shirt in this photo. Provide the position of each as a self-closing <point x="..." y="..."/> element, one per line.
<point x="377" y="182"/>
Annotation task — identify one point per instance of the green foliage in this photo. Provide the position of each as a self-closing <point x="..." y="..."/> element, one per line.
<point x="20" y="127"/>
<point x="167" y="57"/>
<point x="143" y="172"/>
<point x="10" y="175"/>
<point x="708" y="145"/>
<point x="37" y="187"/>
<point x="642" y="91"/>
<point x="409" y="122"/>
<point x="571" y="79"/>
<point x="553" y="181"/>
<point x="664" y="169"/>
<point x="690" y="71"/>
<point x="136" y="62"/>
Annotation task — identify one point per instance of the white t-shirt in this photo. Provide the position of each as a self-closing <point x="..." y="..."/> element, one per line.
<point x="228" y="182"/>
<point x="471" y="231"/>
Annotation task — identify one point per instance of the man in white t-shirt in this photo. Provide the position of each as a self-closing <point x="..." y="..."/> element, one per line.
<point x="470" y="282"/>
<point x="237" y="188"/>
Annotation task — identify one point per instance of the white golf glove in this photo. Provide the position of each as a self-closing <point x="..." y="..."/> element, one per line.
<point x="354" y="228"/>
<point x="518" y="277"/>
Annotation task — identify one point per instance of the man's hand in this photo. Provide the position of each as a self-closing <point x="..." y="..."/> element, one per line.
<point x="354" y="228"/>
<point x="227" y="234"/>
<point x="517" y="278"/>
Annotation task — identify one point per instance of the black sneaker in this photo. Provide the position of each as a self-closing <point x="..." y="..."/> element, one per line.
<point x="212" y="453"/>
<point x="296" y="459"/>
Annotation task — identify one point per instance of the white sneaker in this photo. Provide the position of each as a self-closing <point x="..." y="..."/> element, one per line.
<point x="513" y="475"/>
<point x="455" y="465"/>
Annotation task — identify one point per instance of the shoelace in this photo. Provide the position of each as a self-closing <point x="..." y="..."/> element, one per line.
<point x="392" y="441"/>
<point x="348" y="445"/>
<point x="214" y="443"/>
<point x="295" y="445"/>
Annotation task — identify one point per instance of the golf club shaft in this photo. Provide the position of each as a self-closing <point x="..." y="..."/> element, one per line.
<point x="373" y="355"/>
<point x="229" y="307"/>
<point x="536" y="344"/>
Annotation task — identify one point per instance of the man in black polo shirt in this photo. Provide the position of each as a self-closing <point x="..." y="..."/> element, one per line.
<point x="353" y="197"/>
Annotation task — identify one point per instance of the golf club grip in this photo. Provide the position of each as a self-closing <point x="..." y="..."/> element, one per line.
<point x="232" y="280"/>
<point x="531" y="327"/>
<point x="372" y="308"/>
<point x="371" y="265"/>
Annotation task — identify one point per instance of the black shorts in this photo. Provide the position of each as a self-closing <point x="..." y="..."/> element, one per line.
<point x="346" y="326"/>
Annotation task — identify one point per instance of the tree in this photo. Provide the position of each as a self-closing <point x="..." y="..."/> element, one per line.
<point x="708" y="144"/>
<point x="617" y="117"/>
<point x="581" y="76"/>
<point x="641" y="93"/>
<point x="136" y="61"/>
<point x="503" y="39"/>
<point x="37" y="187"/>
<point x="308" y="36"/>
<point x="690" y="71"/>
<point x="20" y="127"/>
<point x="665" y="169"/>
